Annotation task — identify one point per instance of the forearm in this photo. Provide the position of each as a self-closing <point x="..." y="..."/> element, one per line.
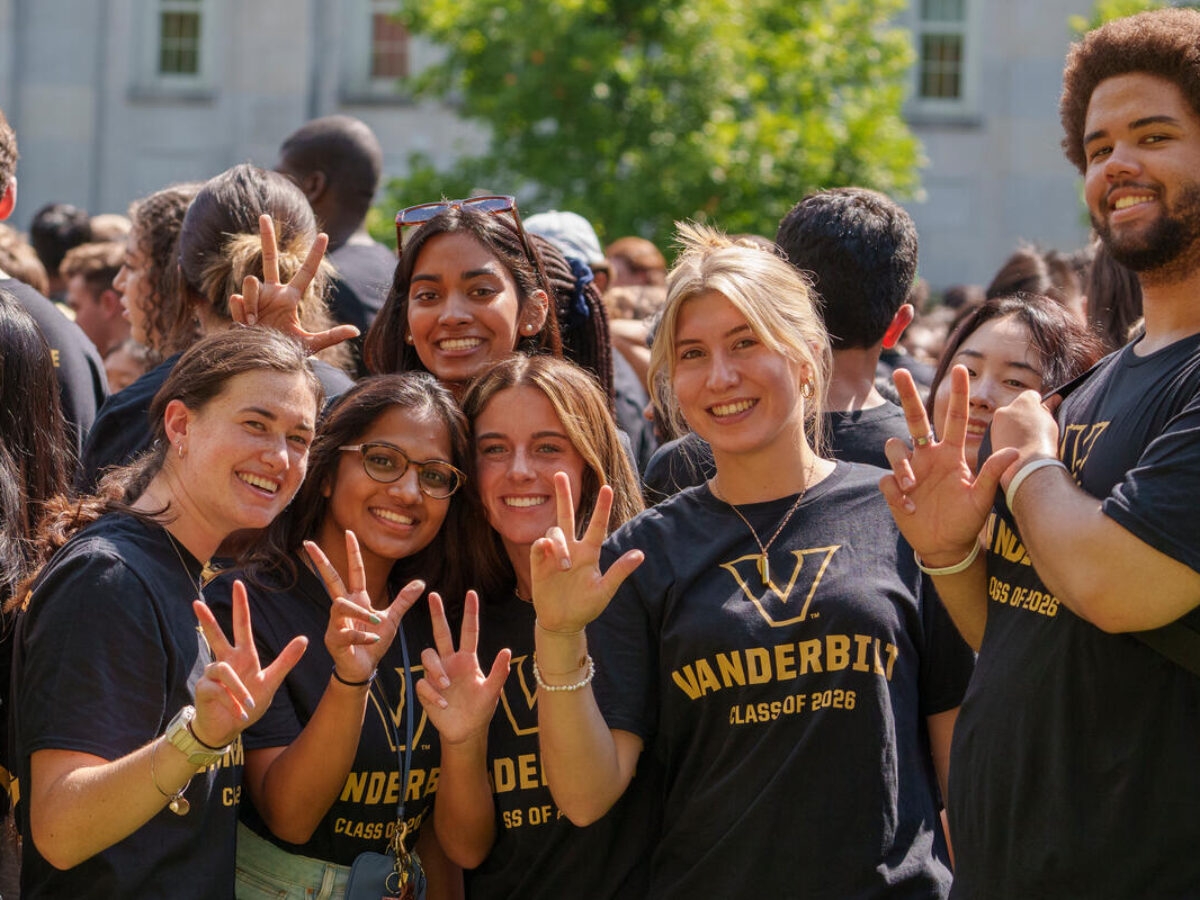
<point x="302" y="782"/>
<point x="465" y="814"/>
<point x="80" y="805"/>
<point x="965" y="597"/>
<point x="580" y="753"/>
<point x="445" y="881"/>
<point x="1096" y="568"/>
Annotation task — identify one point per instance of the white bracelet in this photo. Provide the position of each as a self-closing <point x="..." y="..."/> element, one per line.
<point x="1025" y="471"/>
<point x="589" y="673"/>
<point x="949" y="570"/>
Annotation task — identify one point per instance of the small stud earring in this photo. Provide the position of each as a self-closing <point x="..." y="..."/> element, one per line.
<point x="408" y="338"/>
<point x="179" y="448"/>
<point x="528" y="328"/>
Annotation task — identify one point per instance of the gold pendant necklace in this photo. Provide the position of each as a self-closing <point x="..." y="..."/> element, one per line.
<point x="764" y="565"/>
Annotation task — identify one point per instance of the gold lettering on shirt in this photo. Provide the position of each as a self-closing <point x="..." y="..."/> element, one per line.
<point x="774" y="604"/>
<point x="1077" y="443"/>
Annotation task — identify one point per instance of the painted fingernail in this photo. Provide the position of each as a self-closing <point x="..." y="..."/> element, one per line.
<point x="444" y="681"/>
<point x="564" y="564"/>
<point x="907" y="483"/>
<point x="375" y="638"/>
<point x="442" y="702"/>
<point x="245" y="716"/>
<point x="375" y="620"/>
<point x="249" y="701"/>
<point x="909" y="506"/>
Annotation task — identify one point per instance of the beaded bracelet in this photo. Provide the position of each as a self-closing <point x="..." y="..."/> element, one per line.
<point x="589" y="673"/>
<point x="949" y="570"/>
<point x="342" y="680"/>
<point x="1025" y="471"/>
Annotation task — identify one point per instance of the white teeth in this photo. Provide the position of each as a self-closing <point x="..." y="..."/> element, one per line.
<point x="976" y="429"/>
<point x="729" y="409"/>
<point x="388" y="516"/>
<point x="524" y="502"/>
<point x="460" y="344"/>
<point x="256" y="481"/>
<point x="1126" y="202"/>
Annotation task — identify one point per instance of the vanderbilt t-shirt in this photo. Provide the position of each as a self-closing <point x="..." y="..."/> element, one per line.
<point x="789" y="714"/>
<point x="538" y="853"/>
<point x="1075" y="752"/>
<point x="106" y="654"/>
<point x="364" y="815"/>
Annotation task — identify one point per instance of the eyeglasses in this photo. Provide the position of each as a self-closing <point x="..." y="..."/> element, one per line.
<point x="387" y="463"/>
<point x="423" y="212"/>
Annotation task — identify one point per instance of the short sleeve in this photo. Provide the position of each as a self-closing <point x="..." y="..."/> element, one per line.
<point x="624" y="643"/>
<point x="1158" y="498"/>
<point x="93" y="673"/>
<point x="947" y="661"/>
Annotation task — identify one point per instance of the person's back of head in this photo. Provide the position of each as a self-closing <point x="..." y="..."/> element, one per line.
<point x="337" y="161"/>
<point x="861" y="248"/>
<point x="8" y="154"/>
<point x="110" y="227"/>
<point x="18" y="259"/>
<point x="635" y="260"/>
<point x="56" y="228"/>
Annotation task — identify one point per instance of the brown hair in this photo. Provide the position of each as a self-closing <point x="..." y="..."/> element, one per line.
<point x="20" y="260"/>
<point x="157" y="220"/>
<point x="1162" y="42"/>
<point x="8" y="152"/>
<point x="97" y="262"/>
<point x="584" y="412"/>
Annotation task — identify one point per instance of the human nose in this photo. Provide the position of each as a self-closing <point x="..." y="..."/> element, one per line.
<point x="122" y="277"/>
<point x="275" y="453"/>
<point x="406" y="488"/>
<point x="1122" y="162"/>
<point x="984" y="393"/>
<point x="456" y="309"/>
<point x="721" y="372"/>
<point x="520" y="466"/>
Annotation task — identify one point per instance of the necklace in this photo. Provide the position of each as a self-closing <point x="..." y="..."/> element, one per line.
<point x="764" y="565"/>
<point x="179" y="556"/>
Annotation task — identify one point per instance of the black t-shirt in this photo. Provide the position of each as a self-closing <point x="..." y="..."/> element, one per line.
<point x="106" y="654"/>
<point x="790" y="719"/>
<point x="123" y="430"/>
<point x="630" y="401"/>
<point x="853" y="437"/>
<point x="364" y="815"/>
<point x="364" y="276"/>
<point x="77" y="364"/>
<point x="538" y="853"/>
<point x="1074" y="763"/>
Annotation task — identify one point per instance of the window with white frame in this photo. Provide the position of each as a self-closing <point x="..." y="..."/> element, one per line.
<point x="176" y="42"/>
<point x="943" y="75"/>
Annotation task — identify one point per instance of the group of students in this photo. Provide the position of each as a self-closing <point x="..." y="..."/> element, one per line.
<point x="296" y="618"/>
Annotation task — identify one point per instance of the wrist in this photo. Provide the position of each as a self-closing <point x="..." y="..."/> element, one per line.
<point x="353" y="682"/>
<point x="1021" y="462"/>
<point x="1022" y="470"/>
<point x="942" y="559"/>
<point x="559" y="651"/>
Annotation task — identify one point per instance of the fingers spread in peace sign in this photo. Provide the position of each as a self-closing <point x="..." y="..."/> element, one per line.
<point x="568" y="589"/>
<point x="277" y="305"/>
<point x="457" y="696"/>
<point x="358" y="635"/>
<point x="235" y="690"/>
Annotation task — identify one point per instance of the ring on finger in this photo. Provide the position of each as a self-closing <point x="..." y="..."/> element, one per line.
<point x="923" y="440"/>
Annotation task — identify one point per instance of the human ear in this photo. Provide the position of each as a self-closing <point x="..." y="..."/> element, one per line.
<point x="177" y="419"/>
<point x="9" y="200"/>
<point x="900" y="321"/>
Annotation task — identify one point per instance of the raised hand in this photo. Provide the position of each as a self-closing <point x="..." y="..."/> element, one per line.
<point x="277" y="305"/>
<point x="938" y="504"/>
<point x="357" y="636"/>
<point x="568" y="588"/>
<point x="235" y="690"/>
<point x="457" y="696"/>
<point x="1028" y="426"/>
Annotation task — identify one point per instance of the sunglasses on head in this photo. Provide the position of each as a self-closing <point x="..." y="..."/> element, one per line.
<point x="423" y="212"/>
<point x="387" y="463"/>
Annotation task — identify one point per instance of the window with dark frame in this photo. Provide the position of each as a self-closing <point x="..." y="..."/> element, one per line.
<point x="179" y="35"/>
<point x="389" y="43"/>
<point x="941" y="28"/>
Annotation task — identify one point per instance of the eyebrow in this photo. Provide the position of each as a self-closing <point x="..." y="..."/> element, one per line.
<point x="471" y="273"/>
<point x="745" y="326"/>
<point x="1134" y="126"/>
<point x="500" y="436"/>
<point x="1011" y="363"/>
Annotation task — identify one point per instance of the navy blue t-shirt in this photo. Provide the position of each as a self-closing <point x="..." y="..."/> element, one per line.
<point x="789" y="716"/>
<point x="107" y="652"/>
<point x="1073" y="771"/>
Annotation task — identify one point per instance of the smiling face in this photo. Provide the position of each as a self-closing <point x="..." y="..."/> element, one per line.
<point x="1142" y="146"/>
<point x="245" y="451"/>
<point x="133" y="281"/>
<point x="1001" y="361"/>
<point x="735" y="392"/>
<point x="519" y="445"/>
<point x="464" y="308"/>
<point x="396" y="520"/>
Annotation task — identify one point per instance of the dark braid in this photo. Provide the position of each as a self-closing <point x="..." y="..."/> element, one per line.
<point x="582" y="319"/>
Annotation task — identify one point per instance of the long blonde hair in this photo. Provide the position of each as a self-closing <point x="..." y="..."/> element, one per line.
<point x="778" y="302"/>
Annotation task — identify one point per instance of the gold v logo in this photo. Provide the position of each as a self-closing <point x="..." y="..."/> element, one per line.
<point x="773" y="604"/>
<point x="396" y="714"/>
<point x="519" y="697"/>
<point x="1076" y="445"/>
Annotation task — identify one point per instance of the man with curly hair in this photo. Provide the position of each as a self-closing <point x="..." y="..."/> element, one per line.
<point x="1074" y="767"/>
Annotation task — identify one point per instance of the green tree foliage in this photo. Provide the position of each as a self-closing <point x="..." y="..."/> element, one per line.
<point x="636" y="113"/>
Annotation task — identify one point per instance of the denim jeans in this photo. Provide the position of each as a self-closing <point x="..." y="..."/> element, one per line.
<point x="265" y="872"/>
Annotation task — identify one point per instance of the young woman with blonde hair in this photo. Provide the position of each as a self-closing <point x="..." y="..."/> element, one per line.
<point x="771" y="642"/>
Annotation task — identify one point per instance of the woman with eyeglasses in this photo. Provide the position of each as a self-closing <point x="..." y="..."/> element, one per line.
<point x="371" y="528"/>
<point x="530" y="417"/>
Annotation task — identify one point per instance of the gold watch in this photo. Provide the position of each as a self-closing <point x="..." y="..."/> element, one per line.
<point x="180" y="736"/>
